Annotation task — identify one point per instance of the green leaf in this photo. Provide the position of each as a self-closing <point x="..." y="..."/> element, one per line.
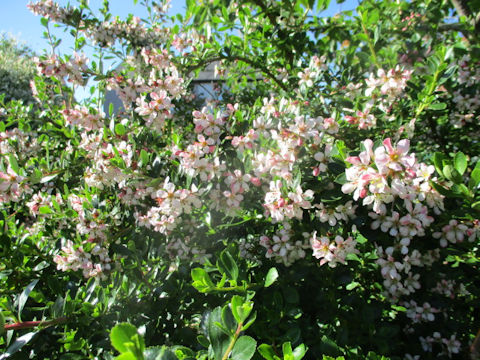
<point x="460" y="162"/>
<point x="44" y="21"/>
<point x="352" y="285"/>
<point x="300" y="352"/>
<point x="18" y="344"/>
<point x="271" y="277"/>
<point x="241" y="309"/>
<point x="22" y="299"/>
<point x="438" y="106"/>
<point x="183" y="353"/>
<point x="341" y="179"/>
<point x="474" y="178"/>
<point x="442" y="190"/>
<point x="244" y="348"/>
<point x="228" y="320"/>
<point x="14" y="164"/>
<point x="228" y="265"/>
<point x="202" y="340"/>
<point x="121" y="334"/>
<point x="144" y="157"/>
<point x="373" y="17"/>
<point x="120" y="129"/>
<point x="45" y="210"/>
<point x="159" y="353"/>
<point x="452" y="174"/>
<point x="201" y="280"/>
<point x="126" y="356"/>
<point x="2" y="323"/>
<point x="47" y="178"/>
<point x="461" y="189"/>
<point x="438" y="162"/>
<point x="266" y="351"/>
<point x="252" y="319"/>
<point x="218" y="339"/>
<point x="287" y="350"/>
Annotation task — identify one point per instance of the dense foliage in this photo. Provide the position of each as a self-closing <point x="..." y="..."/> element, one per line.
<point x="321" y="202"/>
<point x="16" y="70"/>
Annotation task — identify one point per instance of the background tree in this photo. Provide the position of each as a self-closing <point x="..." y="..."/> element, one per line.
<point x="17" y="69"/>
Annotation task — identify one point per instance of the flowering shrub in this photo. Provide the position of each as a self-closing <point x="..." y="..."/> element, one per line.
<point x="318" y="204"/>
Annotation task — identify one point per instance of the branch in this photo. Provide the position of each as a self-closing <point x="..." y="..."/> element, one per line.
<point x="264" y="8"/>
<point x="32" y="324"/>
<point x="232" y="342"/>
<point x="262" y="68"/>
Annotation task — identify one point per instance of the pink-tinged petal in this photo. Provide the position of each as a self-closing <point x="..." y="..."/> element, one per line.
<point x="366" y="177"/>
<point x="363" y="193"/>
<point x="408" y="160"/>
<point x="395" y="166"/>
<point x="365" y="157"/>
<point x="354" y="160"/>
<point x="403" y="146"/>
<point x="348" y="188"/>
<point x="388" y="145"/>
<point x="368" y="147"/>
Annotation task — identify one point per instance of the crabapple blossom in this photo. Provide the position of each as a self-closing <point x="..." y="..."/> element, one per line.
<point x="12" y="186"/>
<point x="278" y="206"/>
<point x="282" y="248"/>
<point x="332" y="252"/>
<point x="453" y="232"/>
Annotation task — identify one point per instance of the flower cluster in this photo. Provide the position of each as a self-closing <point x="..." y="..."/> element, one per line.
<point x="73" y="70"/>
<point x="332" y="252"/>
<point x="281" y="248"/>
<point x="280" y="207"/>
<point x="94" y="263"/>
<point x="50" y="10"/>
<point x="449" y="345"/>
<point x="381" y="175"/>
<point x="420" y="313"/>
<point x="171" y="204"/>
<point x="311" y="74"/>
<point x="83" y="118"/>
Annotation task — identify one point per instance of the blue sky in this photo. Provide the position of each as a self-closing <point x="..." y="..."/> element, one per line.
<point x="18" y="21"/>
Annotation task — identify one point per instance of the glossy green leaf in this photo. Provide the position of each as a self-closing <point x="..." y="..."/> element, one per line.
<point x="22" y="299"/>
<point x="460" y="162"/>
<point x="126" y="356"/>
<point x="228" y="265"/>
<point x="244" y="348"/>
<point x="144" y="157"/>
<point x="45" y="210"/>
<point x="159" y="353"/>
<point x="452" y="174"/>
<point x="120" y="129"/>
<point x="18" y="344"/>
<point x="14" y="164"/>
<point x="241" y="308"/>
<point x="218" y="339"/>
<point x="474" y="179"/>
<point x="201" y="280"/>
<point x="271" y="277"/>
<point x="122" y="334"/>
<point x="287" y="350"/>
<point x="299" y="352"/>
<point x="438" y="162"/>
<point x="438" y="106"/>
<point x="266" y="351"/>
